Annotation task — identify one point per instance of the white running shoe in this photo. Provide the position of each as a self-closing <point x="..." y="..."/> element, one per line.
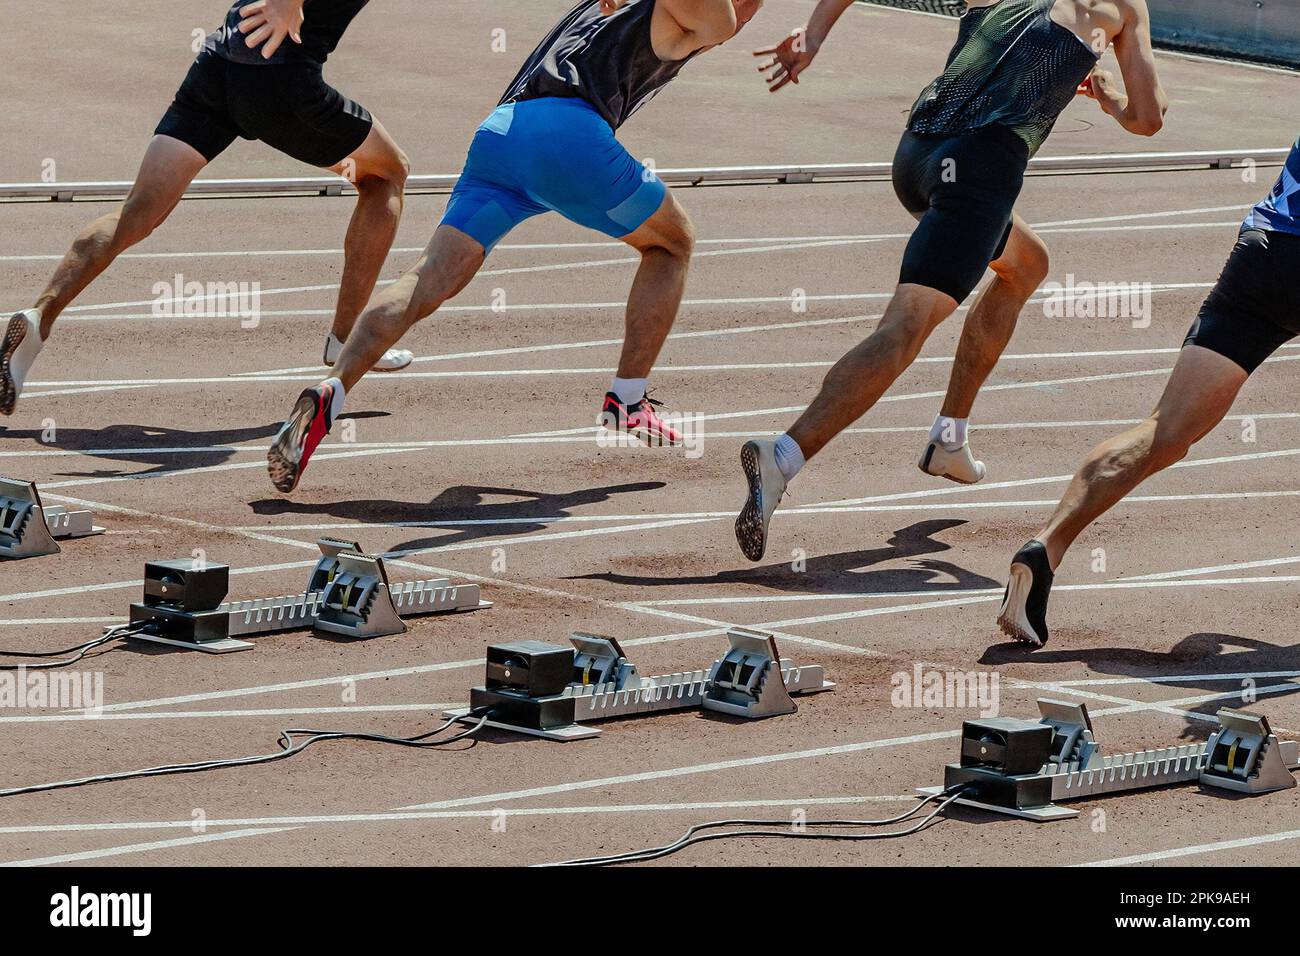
<point x="959" y="466"/>
<point x="766" y="487"/>
<point x="22" y="342"/>
<point x="394" y="359"/>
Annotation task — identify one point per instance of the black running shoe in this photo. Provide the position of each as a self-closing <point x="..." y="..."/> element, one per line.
<point x="1024" y="607"/>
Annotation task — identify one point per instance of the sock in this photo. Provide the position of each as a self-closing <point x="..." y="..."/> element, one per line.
<point x="789" y="456"/>
<point x="340" y="394"/>
<point x="629" y="390"/>
<point x="949" y="432"/>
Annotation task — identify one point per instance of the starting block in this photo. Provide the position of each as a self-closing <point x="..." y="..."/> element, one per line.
<point x="348" y="594"/>
<point x="750" y="680"/>
<point x="29" y="529"/>
<point x="999" y="757"/>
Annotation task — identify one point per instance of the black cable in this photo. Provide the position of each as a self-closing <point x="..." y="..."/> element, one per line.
<point x="696" y="835"/>
<point x="81" y="650"/>
<point x="287" y="749"/>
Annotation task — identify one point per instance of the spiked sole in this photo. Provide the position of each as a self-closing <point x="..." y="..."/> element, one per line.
<point x="750" y="533"/>
<point x="1011" y="618"/>
<point x="15" y="334"/>
<point x="284" y="459"/>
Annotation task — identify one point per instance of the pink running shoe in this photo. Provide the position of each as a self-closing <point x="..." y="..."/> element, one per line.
<point x="639" y="420"/>
<point x="302" y="433"/>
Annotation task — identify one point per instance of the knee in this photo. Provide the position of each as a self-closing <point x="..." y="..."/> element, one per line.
<point x="1027" y="270"/>
<point x="678" y="237"/>
<point x="387" y="176"/>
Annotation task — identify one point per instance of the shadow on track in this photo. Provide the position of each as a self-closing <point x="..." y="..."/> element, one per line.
<point x="841" y="573"/>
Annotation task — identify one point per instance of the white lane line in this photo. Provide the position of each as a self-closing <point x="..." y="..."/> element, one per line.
<point x="629" y="260"/>
<point x="802" y="511"/>
<point x="1166" y="679"/>
<point x="596" y="244"/>
<point x="87" y="855"/>
<point x="1220" y="846"/>
<point x="519" y="270"/>
<point x="259" y="448"/>
<point x="1049" y="479"/>
<point x="1120" y="584"/>
<point x="413" y="250"/>
<point x="400" y="817"/>
<point x="1214" y="569"/>
<point x="495" y="309"/>
<point x="79" y="717"/>
<point x="1174" y="707"/>
<point x="29" y="621"/>
<point x="301" y="374"/>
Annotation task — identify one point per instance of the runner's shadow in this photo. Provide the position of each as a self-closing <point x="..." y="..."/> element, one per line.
<point x="841" y="573"/>
<point x="1189" y="665"/>
<point x="164" y="448"/>
<point x="470" y="516"/>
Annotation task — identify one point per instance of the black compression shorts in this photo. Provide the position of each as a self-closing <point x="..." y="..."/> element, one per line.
<point x="962" y="188"/>
<point x="1254" y="308"/>
<point x="288" y="106"/>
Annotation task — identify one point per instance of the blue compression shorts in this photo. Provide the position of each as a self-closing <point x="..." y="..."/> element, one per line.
<point x="551" y="154"/>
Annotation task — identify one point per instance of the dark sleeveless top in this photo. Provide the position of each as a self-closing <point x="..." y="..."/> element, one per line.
<point x="1012" y="65"/>
<point x="324" y="23"/>
<point x="606" y="60"/>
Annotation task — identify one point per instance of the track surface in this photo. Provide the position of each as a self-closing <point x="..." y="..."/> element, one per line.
<point x="566" y="535"/>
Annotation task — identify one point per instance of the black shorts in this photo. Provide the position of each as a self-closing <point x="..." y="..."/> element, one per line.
<point x="288" y="106"/>
<point x="963" y="189"/>
<point x="1254" y="308"/>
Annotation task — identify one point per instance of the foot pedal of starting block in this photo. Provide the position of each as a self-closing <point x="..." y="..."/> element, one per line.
<point x="28" y="529"/>
<point x="358" y="601"/>
<point x="599" y="661"/>
<point x="747" y="680"/>
<point x="1245" y="756"/>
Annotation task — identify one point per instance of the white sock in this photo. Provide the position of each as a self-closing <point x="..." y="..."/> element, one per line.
<point x="629" y="390"/>
<point x="340" y="395"/>
<point x="949" y="432"/>
<point x="789" y="457"/>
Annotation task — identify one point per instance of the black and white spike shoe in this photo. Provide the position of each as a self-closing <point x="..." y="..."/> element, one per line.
<point x="1024" y="606"/>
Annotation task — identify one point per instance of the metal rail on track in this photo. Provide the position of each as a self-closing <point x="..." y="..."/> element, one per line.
<point x="701" y="176"/>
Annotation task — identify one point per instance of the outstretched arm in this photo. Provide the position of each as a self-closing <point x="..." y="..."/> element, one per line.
<point x="1141" y="106"/>
<point x="269" y="22"/>
<point x="793" y="55"/>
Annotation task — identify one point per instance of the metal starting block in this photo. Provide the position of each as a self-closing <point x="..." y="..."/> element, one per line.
<point x="29" y="529"/>
<point x="750" y="680"/>
<point x="348" y="594"/>
<point x="1243" y="755"/>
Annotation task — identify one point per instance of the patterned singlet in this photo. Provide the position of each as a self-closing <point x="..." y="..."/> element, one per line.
<point x="1012" y="65"/>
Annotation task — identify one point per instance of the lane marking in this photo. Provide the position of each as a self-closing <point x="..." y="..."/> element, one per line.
<point x="400" y="817"/>
<point x="86" y="855"/>
<point x="1219" y="846"/>
<point x="78" y="717"/>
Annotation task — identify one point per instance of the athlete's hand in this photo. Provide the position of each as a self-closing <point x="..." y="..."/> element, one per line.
<point x="1100" y="85"/>
<point x="789" y="58"/>
<point x="610" y="6"/>
<point x="269" y="22"/>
